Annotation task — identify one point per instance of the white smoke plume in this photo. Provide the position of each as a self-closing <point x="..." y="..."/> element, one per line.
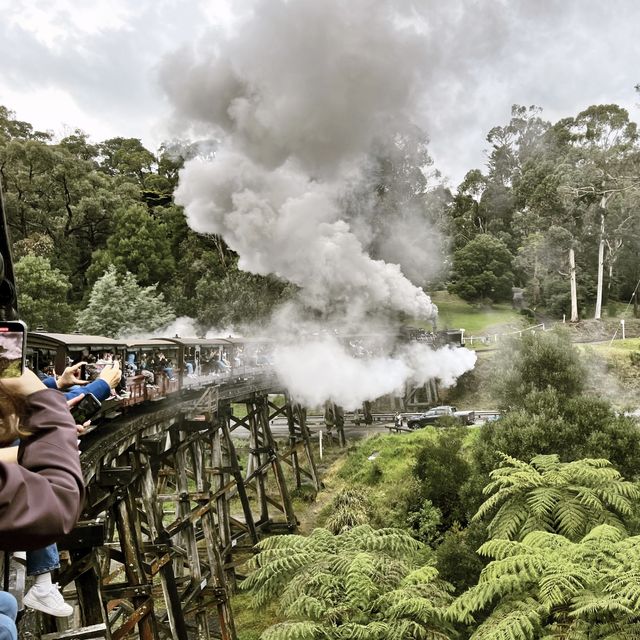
<point x="325" y="369"/>
<point x="301" y="95"/>
<point x="298" y="96"/>
<point x="183" y="327"/>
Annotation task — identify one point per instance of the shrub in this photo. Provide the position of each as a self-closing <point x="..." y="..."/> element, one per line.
<point x="536" y="362"/>
<point x="425" y="522"/>
<point x="441" y="470"/>
<point x="457" y="559"/>
<point x="574" y="428"/>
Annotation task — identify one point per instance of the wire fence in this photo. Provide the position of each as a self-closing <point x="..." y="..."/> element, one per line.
<point x="496" y="337"/>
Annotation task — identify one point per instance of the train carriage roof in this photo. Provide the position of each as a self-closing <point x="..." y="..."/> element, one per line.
<point x="154" y="343"/>
<point x="205" y="342"/>
<point x="74" y="340"/>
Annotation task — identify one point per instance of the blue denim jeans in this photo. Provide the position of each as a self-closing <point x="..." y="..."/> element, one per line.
<point x="8" y="613"/>
<point x="43" y="560"/>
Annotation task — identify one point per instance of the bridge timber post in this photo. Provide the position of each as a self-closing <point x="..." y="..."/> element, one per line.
<point x="334" y="417"/>
<point x="264" y="457"/>
<point x="299" y="441"/>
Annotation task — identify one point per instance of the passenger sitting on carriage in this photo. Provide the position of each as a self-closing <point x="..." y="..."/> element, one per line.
<point x="130" y="367"/>
<point x="163" y="363"/>
<point x="219" y="364"/>
<point x="92" y="371"/>
<point x="145" y="370"/>
<point x="188" y="365"/>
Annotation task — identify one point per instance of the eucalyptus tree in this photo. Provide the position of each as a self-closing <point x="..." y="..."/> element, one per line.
<point x="482" y="270"/>
<point x="42" y="294"/>
<point x="140" y="244"/>
<point x="54" y="189"/>
<point x="118" y="305"/>
<point x="599" y="177"/>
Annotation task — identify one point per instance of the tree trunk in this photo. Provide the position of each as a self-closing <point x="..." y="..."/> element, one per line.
<point x="598" y="313"/>
<point x="574" y="293"/>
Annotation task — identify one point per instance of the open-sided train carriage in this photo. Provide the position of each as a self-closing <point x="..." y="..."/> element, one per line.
<point x="56" y="350"/>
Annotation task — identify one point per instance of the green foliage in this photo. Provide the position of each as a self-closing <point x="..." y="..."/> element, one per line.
<point x="536" y="362"/>
<point x="482" y="270"/>
<point x="441" y="470"/>
<point x="569" y="498"/>
<point x="425" y="521"/>
<point x="390" y="485"/>
<point x="238" y="298"/>
<point x="574" y="428"/>
<point x="546" y="586"/>
<point x="361" y="583"/>
<point x="139" y="244"/>
<point x="457" y="558"/>
<point x="350" y="508"/>
<point x="118" y="305"/>
<point x="42" y="294"/>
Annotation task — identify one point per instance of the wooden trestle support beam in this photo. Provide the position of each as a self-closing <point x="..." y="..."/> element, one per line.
<point x="168" y="508"/>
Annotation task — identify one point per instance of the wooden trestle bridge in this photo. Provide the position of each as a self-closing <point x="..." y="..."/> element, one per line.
<point x="171" y="510"/>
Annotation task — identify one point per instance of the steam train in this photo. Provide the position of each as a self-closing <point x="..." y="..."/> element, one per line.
<point x="49" y="353"/>
<point x="189" y="362"/>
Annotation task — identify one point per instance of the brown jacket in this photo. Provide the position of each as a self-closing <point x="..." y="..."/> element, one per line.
<point x="41" y="497"/>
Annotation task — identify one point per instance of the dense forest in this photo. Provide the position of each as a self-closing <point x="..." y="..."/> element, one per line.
<point x="94" y="226"/>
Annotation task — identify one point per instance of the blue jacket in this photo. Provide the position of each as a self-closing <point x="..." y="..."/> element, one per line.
<point x="99" y="388"/>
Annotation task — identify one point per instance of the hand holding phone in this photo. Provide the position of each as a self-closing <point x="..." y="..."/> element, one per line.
<point x="86" y="409"/>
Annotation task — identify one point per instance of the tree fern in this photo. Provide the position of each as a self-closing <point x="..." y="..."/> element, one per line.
<point x="568" y="498"/>
<point x="547" y="586"/>
<point x="361" y="583"/>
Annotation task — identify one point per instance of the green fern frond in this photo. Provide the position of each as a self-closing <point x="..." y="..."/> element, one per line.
<point x="600" y="608"/>
<point x="294" y="631"/>
<point x="372" y="631"/>
<point x="605" y="534"/>
<point x="422" y="575"/>
<point x="500" y="548"/>
<point x="305" y="606"/>
<point x="515" y="621"/>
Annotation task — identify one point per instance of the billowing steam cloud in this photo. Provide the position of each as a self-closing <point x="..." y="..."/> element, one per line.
<point x="301" y="97"/>
<point x="325" y="370"/>
<point x="298" y="97"/>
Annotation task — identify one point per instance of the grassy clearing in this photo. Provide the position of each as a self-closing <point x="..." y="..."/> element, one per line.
<point x="455" y="313"/>
<point x="614" y="371"/>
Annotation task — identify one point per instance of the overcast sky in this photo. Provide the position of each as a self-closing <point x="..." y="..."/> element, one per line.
<point x="94" y="64"/>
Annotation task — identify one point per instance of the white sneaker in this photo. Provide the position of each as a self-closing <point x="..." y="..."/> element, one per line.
<point x="48" y="600"/>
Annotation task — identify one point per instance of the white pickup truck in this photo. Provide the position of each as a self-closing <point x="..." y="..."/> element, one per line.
<point x="433" y="415"/>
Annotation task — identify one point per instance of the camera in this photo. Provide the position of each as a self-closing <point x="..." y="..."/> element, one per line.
<point x="13" y="343"/>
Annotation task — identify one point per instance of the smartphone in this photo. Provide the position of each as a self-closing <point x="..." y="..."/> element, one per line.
<point x="13" y="348"/>
<point x="86" y="409"/>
